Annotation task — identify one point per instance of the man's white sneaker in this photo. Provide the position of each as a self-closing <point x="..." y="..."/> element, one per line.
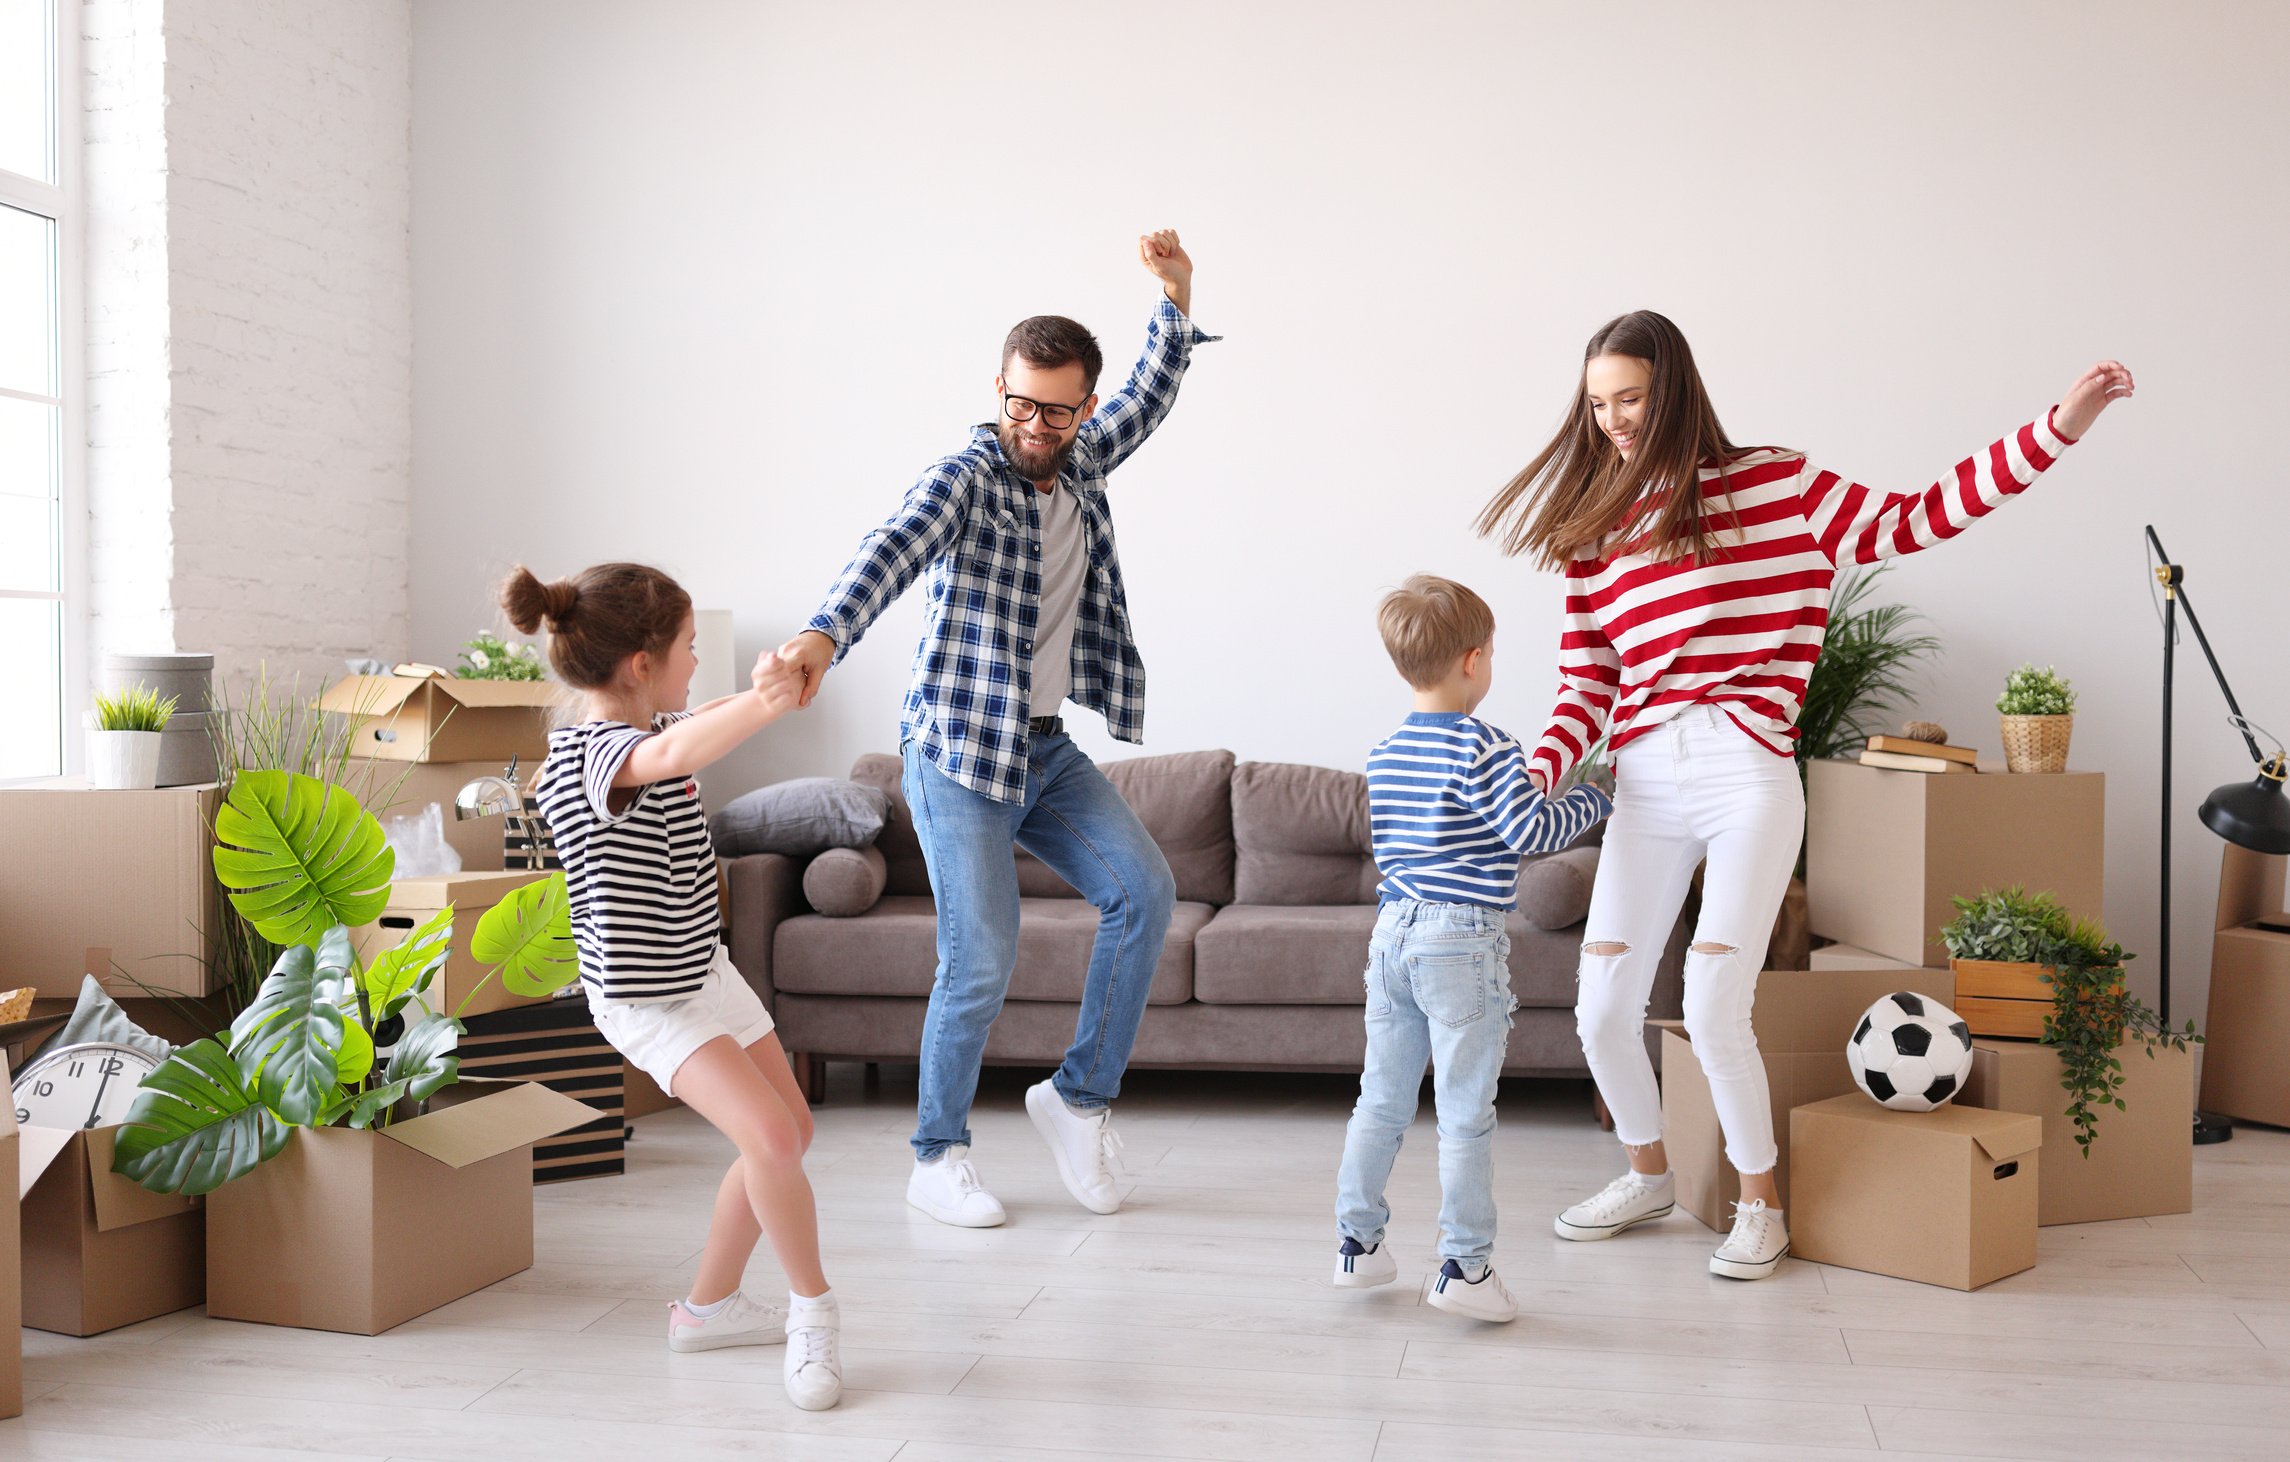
<point x="1630" y="1199"/>
<point x="1483" y="1298"/>
<point x="814" y="1364"/>
<point x="1363" y="1266"/>
<point x="1085" y="1147"/>
<point x="1757" y="1245"/>
<point x="737" y="1321"/>
<point x="948" y="1190"/>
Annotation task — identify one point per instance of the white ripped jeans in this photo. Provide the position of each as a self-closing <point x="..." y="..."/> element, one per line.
<point x="1696" y="787"/>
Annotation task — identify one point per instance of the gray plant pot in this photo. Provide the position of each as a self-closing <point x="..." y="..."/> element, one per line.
<point x="187" y="749"/>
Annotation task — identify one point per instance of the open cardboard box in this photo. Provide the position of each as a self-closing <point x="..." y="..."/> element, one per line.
<point x="1886" y="851"/>
<point x="415" y="900"/>
<point x="66" y="853"/>
<point x="1803" y="1019"/>
<point x="2143" y="1159"/>
<point x="11" y="1264"/>
<point x="361" y="1231"/>
<point x="436" y="717"/>
<point x="100" y="1251"/>
<point x="401" y="788"/>
<point x="2247" y="1030"/>
<point x="1943" y="1197"/>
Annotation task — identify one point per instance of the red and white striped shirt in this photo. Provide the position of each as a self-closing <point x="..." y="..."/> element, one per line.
<point x="1644" y="638"/>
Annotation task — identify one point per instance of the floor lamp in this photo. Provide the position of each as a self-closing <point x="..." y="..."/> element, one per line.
<point x="2253" y="814"/>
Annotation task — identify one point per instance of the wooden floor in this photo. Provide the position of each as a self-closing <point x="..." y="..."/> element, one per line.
<point x="1198" y="1323"/>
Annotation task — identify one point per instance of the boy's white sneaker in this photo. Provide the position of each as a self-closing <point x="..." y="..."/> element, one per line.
<point x="1454" y="1290"/>
<point x="1085" y="1147"/>
<point x="1633" y="1198"/>
<point x="1363" y="1266"/>
<point x="738" y="1321"/>
<point x="814" y="1364"/>
<point x="1757" y="1245"/>
<point x="948" y="1190"/>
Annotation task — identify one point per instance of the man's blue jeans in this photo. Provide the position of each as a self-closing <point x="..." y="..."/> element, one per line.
<point x="1074" y="821"/>
<point x="1439" y="993"/>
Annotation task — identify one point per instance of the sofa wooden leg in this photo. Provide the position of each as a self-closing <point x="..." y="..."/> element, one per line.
<point x="1598" y="1108"/>
<point x="810" y="1076"/>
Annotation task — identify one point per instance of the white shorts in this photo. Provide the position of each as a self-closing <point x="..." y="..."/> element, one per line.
<point x="658" y="1036"/>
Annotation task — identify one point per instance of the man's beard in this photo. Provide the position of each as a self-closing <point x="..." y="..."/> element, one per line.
<point x="1035" y="464"/>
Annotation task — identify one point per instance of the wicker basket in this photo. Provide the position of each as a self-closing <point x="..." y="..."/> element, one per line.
<point x="2036" y="743"/>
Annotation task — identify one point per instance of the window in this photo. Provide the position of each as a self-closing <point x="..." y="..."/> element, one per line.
<point x="40" y="384"/>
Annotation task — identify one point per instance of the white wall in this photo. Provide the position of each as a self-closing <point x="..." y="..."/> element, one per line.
<point x="708" y="284"/>
<point x="250" y="328"/>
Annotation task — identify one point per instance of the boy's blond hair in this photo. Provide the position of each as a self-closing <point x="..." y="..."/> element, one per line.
<point x="1429" y="623"/>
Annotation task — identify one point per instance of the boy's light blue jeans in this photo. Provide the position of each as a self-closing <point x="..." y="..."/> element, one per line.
<point x="1439" y="991"/>
<point x="1073" y="820"/>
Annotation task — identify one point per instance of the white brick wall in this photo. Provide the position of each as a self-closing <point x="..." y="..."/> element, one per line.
<point x="250" y="340"/>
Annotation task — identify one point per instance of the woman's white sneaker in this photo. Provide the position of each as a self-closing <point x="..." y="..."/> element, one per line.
<point x="1757" y="1245"/>
<point x="1085" y="1147"/>
<point x="737" y="1321"/>
<point x="1633" y="1198"/>
<point x="814" y="1365"/>
<point x="1363" y="1266"/>
<point x="1456" y="1291"/>
<point x="948" y="1190"/>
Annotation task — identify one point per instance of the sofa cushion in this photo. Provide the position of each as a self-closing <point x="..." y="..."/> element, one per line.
<point x="892" y="949"/>
<point x="1300" y="836"/>
<point x="1554" y="891"/>
<point x="799" y="818"/>
<point x="845" y="882"/>
<point x="1263" y="954"/>
<point x="904" y="872"/>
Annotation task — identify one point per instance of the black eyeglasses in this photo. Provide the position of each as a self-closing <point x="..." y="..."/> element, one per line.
<point x="1054" y="416"/>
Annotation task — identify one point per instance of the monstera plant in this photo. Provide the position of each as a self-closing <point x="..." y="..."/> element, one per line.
<point x="304" y="864"/>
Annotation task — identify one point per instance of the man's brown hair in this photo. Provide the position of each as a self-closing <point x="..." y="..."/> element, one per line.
<point x="1429" y="623"/>
<point x="1049" y="341"/>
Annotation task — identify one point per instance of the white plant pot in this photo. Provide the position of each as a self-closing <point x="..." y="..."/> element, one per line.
<point x="123" y="761"/>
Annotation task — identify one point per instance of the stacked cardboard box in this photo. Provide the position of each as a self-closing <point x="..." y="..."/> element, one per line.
<point x="67" y="851"/>
<point x="430" y="716"/>
<point x="11" y="1264"/>
<point x="557" y="1044"/>
<point x="2246" y="1072"/>
<point x="2143" y="1159"/>
<point x="413" y="901"/>
<point x="99" y="1251"/>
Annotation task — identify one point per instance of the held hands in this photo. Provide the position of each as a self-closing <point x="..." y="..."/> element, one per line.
<point x="778" y="681"/>
<point x="2080" y="407"/>
<point x="807" y="657"/>
<point x="1160" y="253"/>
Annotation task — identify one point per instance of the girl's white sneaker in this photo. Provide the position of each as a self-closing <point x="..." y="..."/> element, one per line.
<point x="1633" y="1198"/>
<point x="814" y="1364"/>
<point x="1757" y="1245"/>
<point x="739" y="1321"/>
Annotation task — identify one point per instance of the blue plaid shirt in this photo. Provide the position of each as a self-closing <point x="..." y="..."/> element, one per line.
<point x="974" y="526"/>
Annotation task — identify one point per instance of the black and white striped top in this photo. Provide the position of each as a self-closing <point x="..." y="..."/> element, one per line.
<point x="642" y="881"/>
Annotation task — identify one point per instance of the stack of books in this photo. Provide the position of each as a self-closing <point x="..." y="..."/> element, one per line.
<point x="1899" y="754"/>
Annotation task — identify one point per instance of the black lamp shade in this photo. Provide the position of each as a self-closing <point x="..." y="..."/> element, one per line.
<point x="2252" y="814"/>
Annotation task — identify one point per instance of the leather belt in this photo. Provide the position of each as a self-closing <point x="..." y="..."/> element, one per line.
<point x="1046" y="726"/>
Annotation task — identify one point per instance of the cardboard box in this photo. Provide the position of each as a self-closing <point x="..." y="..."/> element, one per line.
<point x="100" y="1251"/>
<point x="67" y="855"/>
<point x="402" y="788"/>
<point x="2143" y="1159"/>
<point x="11" y="1264"/>
<point x="1886" y="851"/>
<point x="439" y="718"/>
<point x="640" y="1095"/>
<point x="2246" y="1072"/>
<point x="557" y="1044"/>
<point x="1803" y="1019"/>
<point x="361" y="1231"/>
<point x="415" y="900"/>
<point x="1944" y="1197"/>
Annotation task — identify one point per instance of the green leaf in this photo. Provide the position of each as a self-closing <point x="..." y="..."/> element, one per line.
<point x="299" y="855"/>
<point x="354" y="1060"/>
<point x="289" y="1042"/>
<point x="424" y="1062"/>
<point x="528" y="935"/>
<point x="195" y="1126"/>
<point x="367" y="1105"/>
<point x="397" y="975"/>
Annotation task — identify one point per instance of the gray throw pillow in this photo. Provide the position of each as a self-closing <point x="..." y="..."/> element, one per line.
<point x="843" y="883"/>
<point x="808" y="815"/>
<point x="98" y="1017"/>
<point x="1554" y="892"/>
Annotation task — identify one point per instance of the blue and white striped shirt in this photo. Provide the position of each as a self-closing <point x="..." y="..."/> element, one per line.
<point x="1451" y="811"/>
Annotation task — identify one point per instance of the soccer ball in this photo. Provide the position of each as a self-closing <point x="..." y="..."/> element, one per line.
<point x="1910" y="1052"/>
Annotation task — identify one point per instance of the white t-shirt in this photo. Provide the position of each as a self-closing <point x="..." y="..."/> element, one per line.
<point x="1065" y="564"/>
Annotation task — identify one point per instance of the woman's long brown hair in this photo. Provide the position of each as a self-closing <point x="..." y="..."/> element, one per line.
<point x="1579" y="490"/>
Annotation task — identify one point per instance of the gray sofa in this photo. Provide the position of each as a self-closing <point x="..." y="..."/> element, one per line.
<point x="1262" y="969"/>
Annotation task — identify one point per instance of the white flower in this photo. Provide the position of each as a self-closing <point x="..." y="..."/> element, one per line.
<point x="481" y="660"/>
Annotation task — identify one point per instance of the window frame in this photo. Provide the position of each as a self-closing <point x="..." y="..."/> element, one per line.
<point x="63" y="202"/>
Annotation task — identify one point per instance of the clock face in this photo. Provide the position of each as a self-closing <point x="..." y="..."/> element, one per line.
<point x="90" y="1085"/>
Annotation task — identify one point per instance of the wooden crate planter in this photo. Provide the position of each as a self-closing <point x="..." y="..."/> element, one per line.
<point x="2005" y="999"/>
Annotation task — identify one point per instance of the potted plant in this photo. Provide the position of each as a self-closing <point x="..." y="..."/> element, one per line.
<point x="489" y="657"/>
<point x="303" y="863"/>
<point x="2038" y="707"/>
<point x="2026" y="967"/>
<point x="123" y="745"/>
